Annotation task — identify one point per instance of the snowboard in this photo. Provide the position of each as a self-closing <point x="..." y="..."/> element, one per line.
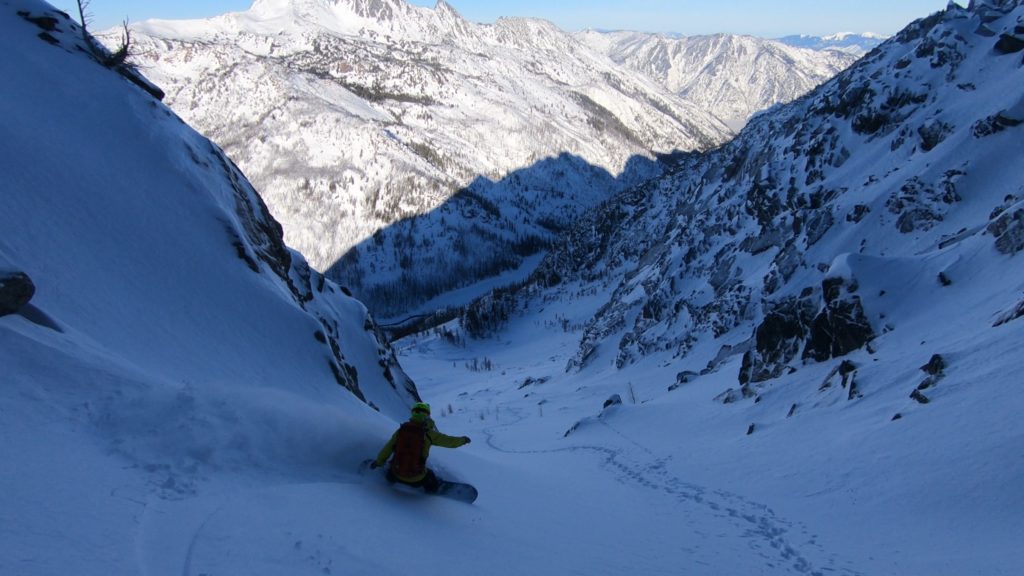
<point x="455" y="490"/>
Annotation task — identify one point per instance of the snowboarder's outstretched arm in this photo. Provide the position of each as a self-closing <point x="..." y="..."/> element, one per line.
<point x="445" y="441"/>
<point x="385" y="452"/>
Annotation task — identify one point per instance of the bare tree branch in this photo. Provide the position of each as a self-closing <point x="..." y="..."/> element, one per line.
<point x="120" y="56"/>
<point x="118" y="60"/>
<point x="85" y="18"/>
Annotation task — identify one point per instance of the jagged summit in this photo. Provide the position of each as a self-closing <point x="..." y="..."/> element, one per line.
<point x="394" y="17"/>
<point x="376" y="9"/>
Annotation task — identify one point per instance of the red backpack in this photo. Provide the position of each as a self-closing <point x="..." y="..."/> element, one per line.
<point x="409" y="461"/>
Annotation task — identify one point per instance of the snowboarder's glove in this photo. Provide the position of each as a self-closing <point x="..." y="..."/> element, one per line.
<point x="466" y="439"/>
<point x="374" y="465"/>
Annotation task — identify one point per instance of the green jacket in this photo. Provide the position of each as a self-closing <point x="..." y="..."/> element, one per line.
<point x="434" y="436"/>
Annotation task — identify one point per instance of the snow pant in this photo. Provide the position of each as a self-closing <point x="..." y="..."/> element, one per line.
<point x="429" y="483"/>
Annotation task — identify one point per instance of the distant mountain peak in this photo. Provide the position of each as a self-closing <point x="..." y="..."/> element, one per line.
<point x="360" y="17"/>
<point x="843" y="36"/>
<point x="443" y="6"/>
<point x="376" y="9"/>
<point x="282" y="6"/>
<point x="855" y="43"/>
<point x="380" y="10"/>
<point x="705" y="68"/>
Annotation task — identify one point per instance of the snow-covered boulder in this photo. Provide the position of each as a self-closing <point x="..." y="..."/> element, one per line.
<point x="1008" y="229"/>
<point x="613" y="400"/>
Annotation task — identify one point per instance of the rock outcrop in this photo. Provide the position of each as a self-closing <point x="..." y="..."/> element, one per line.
<point x="16" y="290"/>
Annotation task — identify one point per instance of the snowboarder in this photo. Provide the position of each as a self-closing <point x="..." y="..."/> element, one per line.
<point x="410" y="445"/>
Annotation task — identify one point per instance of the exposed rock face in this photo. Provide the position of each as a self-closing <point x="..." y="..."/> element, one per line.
<point x="16" y="289"/>
<point x="1008" y="229"/>
<point x="1009" y="44"/>
<point x="922" y="205"/>
<point x="842" y="326"/>
<point x="994" y="124"/>
<point x="778" y="340"/>
<point x="1010" y="315"/>
<point x="837" y="329"/>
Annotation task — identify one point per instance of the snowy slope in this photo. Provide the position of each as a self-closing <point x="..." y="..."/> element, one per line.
<point x="350" y="116"/>
<point x="110" y="221"/>
<point x="172" y="336"/>
<point x="735" y="76"/>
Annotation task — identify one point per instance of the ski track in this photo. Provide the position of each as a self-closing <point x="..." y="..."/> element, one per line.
<point x="196" y="536"/>
<point x="764" y="530"/>
<point x="187" y="568"/>
<point x="767" y="535"/>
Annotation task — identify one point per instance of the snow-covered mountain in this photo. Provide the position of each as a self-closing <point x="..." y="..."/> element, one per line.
<point x="734" y="76"/>
<point x="897" y="182"/>
<point x="352" y="115"/>
<point x="169" y="401"/>
<point x="856" y="44"/>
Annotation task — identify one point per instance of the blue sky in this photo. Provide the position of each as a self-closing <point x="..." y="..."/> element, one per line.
<point x="768" y="18"/>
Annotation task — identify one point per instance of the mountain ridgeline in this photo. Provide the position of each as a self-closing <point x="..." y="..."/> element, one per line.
<point x="813" y="232"/>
